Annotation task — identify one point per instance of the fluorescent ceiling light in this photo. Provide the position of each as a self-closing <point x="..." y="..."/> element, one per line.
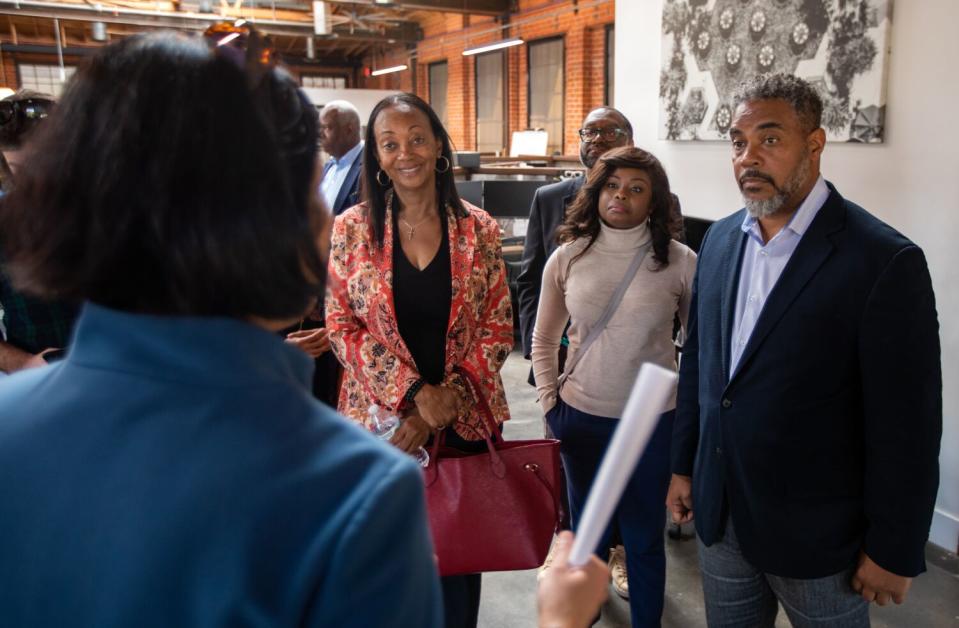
<point x="506" y="43"/>
<point x="395" y="68"/>
<point x="227" y="39"/>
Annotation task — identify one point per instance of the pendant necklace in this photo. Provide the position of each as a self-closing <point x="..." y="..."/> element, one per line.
<point x="412" y="228"/>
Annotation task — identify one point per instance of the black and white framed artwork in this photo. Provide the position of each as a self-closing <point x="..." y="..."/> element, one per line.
<point x="710" y="46"/>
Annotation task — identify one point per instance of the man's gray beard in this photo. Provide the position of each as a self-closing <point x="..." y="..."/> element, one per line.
<point x="770" y="206"/>
<point x="766" y="207"/>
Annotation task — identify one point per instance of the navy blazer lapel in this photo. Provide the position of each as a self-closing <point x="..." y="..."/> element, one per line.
<point x="347" y="186"/>
<point x="734" y="246"/>
<point x="813" y="249"/>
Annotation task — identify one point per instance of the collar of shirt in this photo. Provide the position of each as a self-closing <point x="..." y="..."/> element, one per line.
<point x="346" y="161"/>
<point x="801" y="218"/>
<point x="762" y="265"/>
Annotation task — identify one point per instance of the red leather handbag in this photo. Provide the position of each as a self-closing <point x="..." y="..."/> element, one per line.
<point x="496" y="510"/>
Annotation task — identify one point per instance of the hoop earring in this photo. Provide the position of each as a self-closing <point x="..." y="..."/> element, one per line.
<point x="444" y="158"/>
<point x="379" y="180"/>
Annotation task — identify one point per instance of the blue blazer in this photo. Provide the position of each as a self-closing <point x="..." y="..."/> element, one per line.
<point x="825" y="440"/>
<point x="177" y="471"/>
<point x="349" y="194"/>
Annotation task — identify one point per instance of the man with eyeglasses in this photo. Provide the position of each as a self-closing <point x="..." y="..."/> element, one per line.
<point x="603" y="129"/>
<point x="32" y="331"/>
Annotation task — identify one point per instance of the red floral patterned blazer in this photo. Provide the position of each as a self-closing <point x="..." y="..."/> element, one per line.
<point x="361" y="318"/>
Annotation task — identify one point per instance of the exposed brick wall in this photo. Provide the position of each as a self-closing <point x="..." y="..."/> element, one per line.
<point x="446" y="35"/>
<point x="583" y="33"/>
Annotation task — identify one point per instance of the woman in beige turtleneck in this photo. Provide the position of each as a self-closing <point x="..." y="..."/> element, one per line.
<point x="625" y="206"/>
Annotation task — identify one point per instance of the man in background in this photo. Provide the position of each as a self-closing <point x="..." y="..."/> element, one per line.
<point x="340" y="189"/>
<point x="603" y="129"/>
<point x="340" y="139"/>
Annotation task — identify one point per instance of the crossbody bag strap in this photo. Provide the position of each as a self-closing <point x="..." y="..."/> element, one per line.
<point x="607" y="314"/>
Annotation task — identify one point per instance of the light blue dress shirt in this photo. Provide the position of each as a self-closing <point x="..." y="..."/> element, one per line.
<point x="764" y="263"/>
<point x="334" y="175"/>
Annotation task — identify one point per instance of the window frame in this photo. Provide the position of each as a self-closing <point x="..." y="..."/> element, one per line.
<point x="504" y="140"/>
<point x="609" y="64"/>
<point x="529" y="86"/>
<point x="429" y="88"/>
<point x="69" y="71"/>
<point x="309" y="75"/>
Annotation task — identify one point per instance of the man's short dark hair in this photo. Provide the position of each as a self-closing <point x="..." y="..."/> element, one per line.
<point x="161" y="185"/>
<point x="800" y="94"/>
<point x="618" y="114"/>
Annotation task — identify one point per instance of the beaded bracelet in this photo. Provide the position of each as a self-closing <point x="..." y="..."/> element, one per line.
<point x="414" y="389"/>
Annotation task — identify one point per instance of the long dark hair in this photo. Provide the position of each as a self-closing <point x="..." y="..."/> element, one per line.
<point x="375" y="194"/>
<point x="582" y="217"/>
<point x="159" y="186"/>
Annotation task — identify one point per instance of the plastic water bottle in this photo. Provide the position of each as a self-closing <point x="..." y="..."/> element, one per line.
<point x="384" y="425"/>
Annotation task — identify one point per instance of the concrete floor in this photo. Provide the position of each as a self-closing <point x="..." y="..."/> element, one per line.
<point x="509" y="598"/>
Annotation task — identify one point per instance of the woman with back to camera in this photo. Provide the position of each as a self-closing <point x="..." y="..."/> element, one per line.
<point x="418" y="292"/>
<point x="174" y="469"/>
<point x="621" y="216"/>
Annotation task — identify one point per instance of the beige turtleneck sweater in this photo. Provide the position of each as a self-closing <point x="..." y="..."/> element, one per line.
<point x="639" y="331"/>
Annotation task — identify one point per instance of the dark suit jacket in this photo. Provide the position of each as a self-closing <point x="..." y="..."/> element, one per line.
<point x="545" y="215"/>
<point x="349" y="194"/>
<point x="825" y="441"/>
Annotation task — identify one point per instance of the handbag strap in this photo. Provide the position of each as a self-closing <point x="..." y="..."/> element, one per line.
<point x="499" y="468"/>
<point x="483" y="405"/>
<point x="607" y="314"/>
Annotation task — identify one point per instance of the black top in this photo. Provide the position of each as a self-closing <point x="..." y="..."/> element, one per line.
<point x="423" y="299"/>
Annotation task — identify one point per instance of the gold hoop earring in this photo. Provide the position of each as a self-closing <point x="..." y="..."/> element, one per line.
<point x="444" y="158"/>
<point x="379" y="180"/>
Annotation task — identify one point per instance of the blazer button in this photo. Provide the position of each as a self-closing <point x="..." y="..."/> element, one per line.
<point x="719" y="451"/>
<point x="727" y="403"/>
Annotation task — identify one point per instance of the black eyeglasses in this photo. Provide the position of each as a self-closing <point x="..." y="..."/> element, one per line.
<point x="279" y="100"/>
<point x="610" y="134"/>
<point x="28" y="109"/>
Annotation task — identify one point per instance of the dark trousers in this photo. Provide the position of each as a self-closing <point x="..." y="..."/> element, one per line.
<point x="461" y="600"/>
<point x="641" y="512"/>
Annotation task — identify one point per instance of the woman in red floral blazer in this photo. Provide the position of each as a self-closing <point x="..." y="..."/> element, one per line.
<point x="411" y="171"/>
<point x="417" y="292"/>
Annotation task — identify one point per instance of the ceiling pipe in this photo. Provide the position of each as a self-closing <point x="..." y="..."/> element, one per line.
<point x="143" y="17"/>
<point x="56" y="29"/>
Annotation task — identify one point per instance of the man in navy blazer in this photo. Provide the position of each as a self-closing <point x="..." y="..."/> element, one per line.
<point x="810" y="396"/>
<point x="340" y="188"/>
<point x="340" y="139"/>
